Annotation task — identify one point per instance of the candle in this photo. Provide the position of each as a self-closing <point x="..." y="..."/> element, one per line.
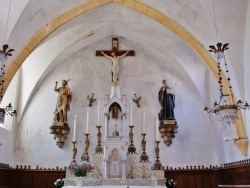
<point x="156" y="126"/>
<point x="74" y="135"/>
<point x="98" y="113"/>
<point x="143" y="121"/>
<point x="87" y="121"/>
<point x="131" y="121"/>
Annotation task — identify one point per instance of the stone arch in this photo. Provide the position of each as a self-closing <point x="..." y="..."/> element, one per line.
<point x="140" y="7"/>
<point x="115" y="164"/>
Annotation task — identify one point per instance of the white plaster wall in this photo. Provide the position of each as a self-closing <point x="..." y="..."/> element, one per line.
<point x="6" y="146"/>
<point x="142" y="75"/>
<point x="159" y="55"/>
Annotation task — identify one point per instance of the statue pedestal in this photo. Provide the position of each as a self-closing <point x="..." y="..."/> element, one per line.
<point x="168" y="129"/>
<point x="60" y="131"/>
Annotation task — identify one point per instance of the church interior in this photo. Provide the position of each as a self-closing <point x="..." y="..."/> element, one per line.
<point x="66" y="97"/>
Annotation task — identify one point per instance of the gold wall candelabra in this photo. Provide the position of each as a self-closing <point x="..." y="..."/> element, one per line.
<point x="85" y="155"/>
<point x="157" y="165"/>
<point x="74" y="151"/>
<point x="131" y="147"/>
<point x="144" y="155"/>
<point x="99" y="148"/>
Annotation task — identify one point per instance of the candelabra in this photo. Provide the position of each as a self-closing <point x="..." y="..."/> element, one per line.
<point x="85" y="155"/>
<point x="157" y="165"/>
<point x="74" y="151"/>
<point x="144" y="155"/>
<point x="99" y="148"/>
<point x="131" y="147"/>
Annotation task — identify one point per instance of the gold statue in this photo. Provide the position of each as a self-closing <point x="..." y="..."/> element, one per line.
<point x="63" y="102"/>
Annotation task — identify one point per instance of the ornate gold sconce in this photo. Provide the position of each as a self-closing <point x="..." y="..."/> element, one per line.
<point x="91" y="99"/>
<point x="60" y="131"/>
<point x="137" y="100"/>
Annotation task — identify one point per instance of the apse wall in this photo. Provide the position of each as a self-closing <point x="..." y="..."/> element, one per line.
<point x="142" y="75"/>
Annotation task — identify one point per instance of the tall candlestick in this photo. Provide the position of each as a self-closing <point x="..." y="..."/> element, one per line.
<point x="74" y="135"/>
<point x="87" y="121"/>
<point x="156" y="128"/>
<point x="143" y="121"/>
<point x="98" y="113"/>
<point x="131" y="109"/>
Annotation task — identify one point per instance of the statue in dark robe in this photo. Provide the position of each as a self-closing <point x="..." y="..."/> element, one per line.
<point x="167" y="101"/>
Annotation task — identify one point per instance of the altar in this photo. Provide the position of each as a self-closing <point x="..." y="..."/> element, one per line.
<point x="115" y="183"/>
<point x="116" y="162"/>
<point x="112" y="186"/>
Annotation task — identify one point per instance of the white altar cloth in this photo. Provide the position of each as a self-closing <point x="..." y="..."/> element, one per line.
<point x="78" y="182"/>
<point x="112" y="186"/>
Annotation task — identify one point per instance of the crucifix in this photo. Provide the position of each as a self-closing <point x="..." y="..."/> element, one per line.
<point x="115" y="55"/>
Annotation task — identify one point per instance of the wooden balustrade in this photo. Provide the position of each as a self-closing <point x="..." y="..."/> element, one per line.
<point x="235" y="173"/>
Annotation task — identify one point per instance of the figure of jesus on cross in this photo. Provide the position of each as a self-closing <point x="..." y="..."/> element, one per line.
<point x="115" y="64"/>
<point x="115" y="55"/>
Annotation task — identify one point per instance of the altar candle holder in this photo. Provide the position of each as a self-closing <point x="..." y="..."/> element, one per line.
<point x="74" y="151"/>
<point x="144" y="155"/>
<point x="157" y="165"/>
<point x="85" y="155"/>
<point x="99" y="149"/>
<point x="131" y="147"/>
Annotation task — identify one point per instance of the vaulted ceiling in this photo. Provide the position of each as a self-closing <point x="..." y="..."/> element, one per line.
<point x="42" y="31"/>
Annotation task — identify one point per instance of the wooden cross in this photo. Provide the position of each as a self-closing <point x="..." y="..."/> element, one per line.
<point x="114" y="55"/>
<point x="115" y="50"/>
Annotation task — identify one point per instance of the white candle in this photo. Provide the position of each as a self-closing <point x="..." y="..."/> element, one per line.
<point x="143" y="121"/>
<point x="131" y="109"/>
<point x="87" y="121"/>
<point x="98" y="113"/>
<point x="156" y="128"/>
<point x="74" y="135"/>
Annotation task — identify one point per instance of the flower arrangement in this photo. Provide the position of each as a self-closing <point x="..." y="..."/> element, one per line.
<point x="59" y="183"/>
<point x="170" y="183"/>
<point x="80" y="170"/>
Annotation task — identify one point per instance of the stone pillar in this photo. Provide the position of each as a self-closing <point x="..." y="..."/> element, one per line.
<point x="123" y="125"/>
<point x="123" y="169"/>
<point x="105" y="126"/>
<point x="105" y="169"/>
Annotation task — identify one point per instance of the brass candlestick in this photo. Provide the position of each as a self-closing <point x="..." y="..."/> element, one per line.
<point x="157" y="165"/>
<point x="131" y="147"/>
<point x="85" y="155"/>
<point x="144" y="155"/>
<point x="99" y="148"/>
<point x="74" y="151"/>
